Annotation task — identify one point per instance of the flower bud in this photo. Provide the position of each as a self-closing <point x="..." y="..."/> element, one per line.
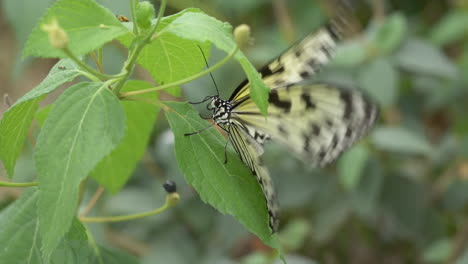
<point x="242" y="35"/>
<point x="144" y="14"/>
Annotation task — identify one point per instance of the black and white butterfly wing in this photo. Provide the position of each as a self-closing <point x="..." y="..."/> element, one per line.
<point x="315" y="121"/>
<point x="250" y="152"/>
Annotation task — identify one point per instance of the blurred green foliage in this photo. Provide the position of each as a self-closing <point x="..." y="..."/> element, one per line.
<point x="401" y="196"/>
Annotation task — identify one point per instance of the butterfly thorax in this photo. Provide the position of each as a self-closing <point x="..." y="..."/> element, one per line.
<point x="221" y="110"/>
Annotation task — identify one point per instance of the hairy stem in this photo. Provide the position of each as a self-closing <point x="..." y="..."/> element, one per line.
<point x="133" y="56"/>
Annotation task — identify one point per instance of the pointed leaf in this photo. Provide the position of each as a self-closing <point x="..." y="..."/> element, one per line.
<point x="231" y="188"/>
<point x="16" y="121"/>
<point x="87" y="24"/>
<point x="85" y="124"/>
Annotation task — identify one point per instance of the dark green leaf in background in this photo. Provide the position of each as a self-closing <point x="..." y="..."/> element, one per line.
<point x="88" y="26"/>
<point x="401" y="139"/>
<point x="85" y="124"/>
<point x="380" y="80"/>
<point x="16" y="121"/>
<point x="351" y="166"/>
<point x="386" y="37"/>
<point x="115" y="169"/>
<point x="419" y="56"/>
<point x="450" y="28"/>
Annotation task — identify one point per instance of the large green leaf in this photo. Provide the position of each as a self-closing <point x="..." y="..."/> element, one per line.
<point x="451" y="27"/>
<point x="231" y="188"/>
<point x="401" y="139"/>
<point x="423" y="57"/>
<point x="380" y="80"/>
<point x="170" y="58"/>
<point x="85" y="124"/>
<point x="16" y="121"/>
<point x="20" y="238"/>
<point x="115" y="169"/>
<point x="88" y="26"/>
<point x="200" y="27"/>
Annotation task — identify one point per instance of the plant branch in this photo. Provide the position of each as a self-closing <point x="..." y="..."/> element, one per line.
<point x="186" y="80"/>
<point x="133" y="4"/>
<point x="85" y="67"/>
<point x="93" y="201"/>
<point x="171" y="200"/>
<point x="130" y="63"/>
<point x="18" y="184"/>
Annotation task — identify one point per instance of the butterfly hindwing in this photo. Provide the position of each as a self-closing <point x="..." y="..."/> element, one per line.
<point x="250" y="152"/>
<point x="316" y="121"/>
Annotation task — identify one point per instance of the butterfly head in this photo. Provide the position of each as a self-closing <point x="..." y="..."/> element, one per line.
<point x="221" y="110"/>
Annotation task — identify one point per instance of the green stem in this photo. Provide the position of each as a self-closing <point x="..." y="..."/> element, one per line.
<point x="171" y="200"/>
<point x="89" y="76"/>
<point x="85" y="67"/>
<point x="133" y="4"/>
<point x="18" y="184"/>
<point x="130" y="63"/>
<point x="186" y="80"/>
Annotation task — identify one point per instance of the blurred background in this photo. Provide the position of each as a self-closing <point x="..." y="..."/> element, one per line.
<point x="400" y="196"/>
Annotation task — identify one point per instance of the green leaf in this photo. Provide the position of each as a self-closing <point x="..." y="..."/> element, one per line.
<point x="87" y="24"/>
<point x="400" y="139"/>
<point x="115" y="169"/>
<point x="85" y="124"/>
<point x="43" y="113"/>
<point x="18" y="231"/>
<point x="13" y="131"/>
<point x="202" y="28"/>
<point x="422" y="57"/>
<point x="451" y="27"/>
<point x="114" y="256"/>
<point x="351" y="166"/>
<point x="389" y="35"/>
<point x="16" y="121"/>
<point x="380" y="80"/>
<point x="439" y="251"/>
<point x="170" y="58"/>
<point x="21" y="241"/>
<point x="230" y="188"/>
<point x="350" y="53"/>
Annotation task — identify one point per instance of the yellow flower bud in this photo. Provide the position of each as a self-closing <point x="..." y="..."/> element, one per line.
<point x="242" y="35"/>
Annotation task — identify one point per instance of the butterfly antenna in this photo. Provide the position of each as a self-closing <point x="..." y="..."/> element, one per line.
<point x="207" y="66"/>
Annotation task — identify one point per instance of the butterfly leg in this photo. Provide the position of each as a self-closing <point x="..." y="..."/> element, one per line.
<point x="225" y="146"/>
<point x="201" y="130"/>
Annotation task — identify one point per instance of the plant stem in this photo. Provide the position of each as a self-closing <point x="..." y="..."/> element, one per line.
<point x="171" y="200"/>
<point x="85" y="67"/>
<point x="130" y="63"/>
<point x="93" y="201"/>
<point x="186" y="80"/>
<point x="18" y="184"/>
<point x="133" y="4"/>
